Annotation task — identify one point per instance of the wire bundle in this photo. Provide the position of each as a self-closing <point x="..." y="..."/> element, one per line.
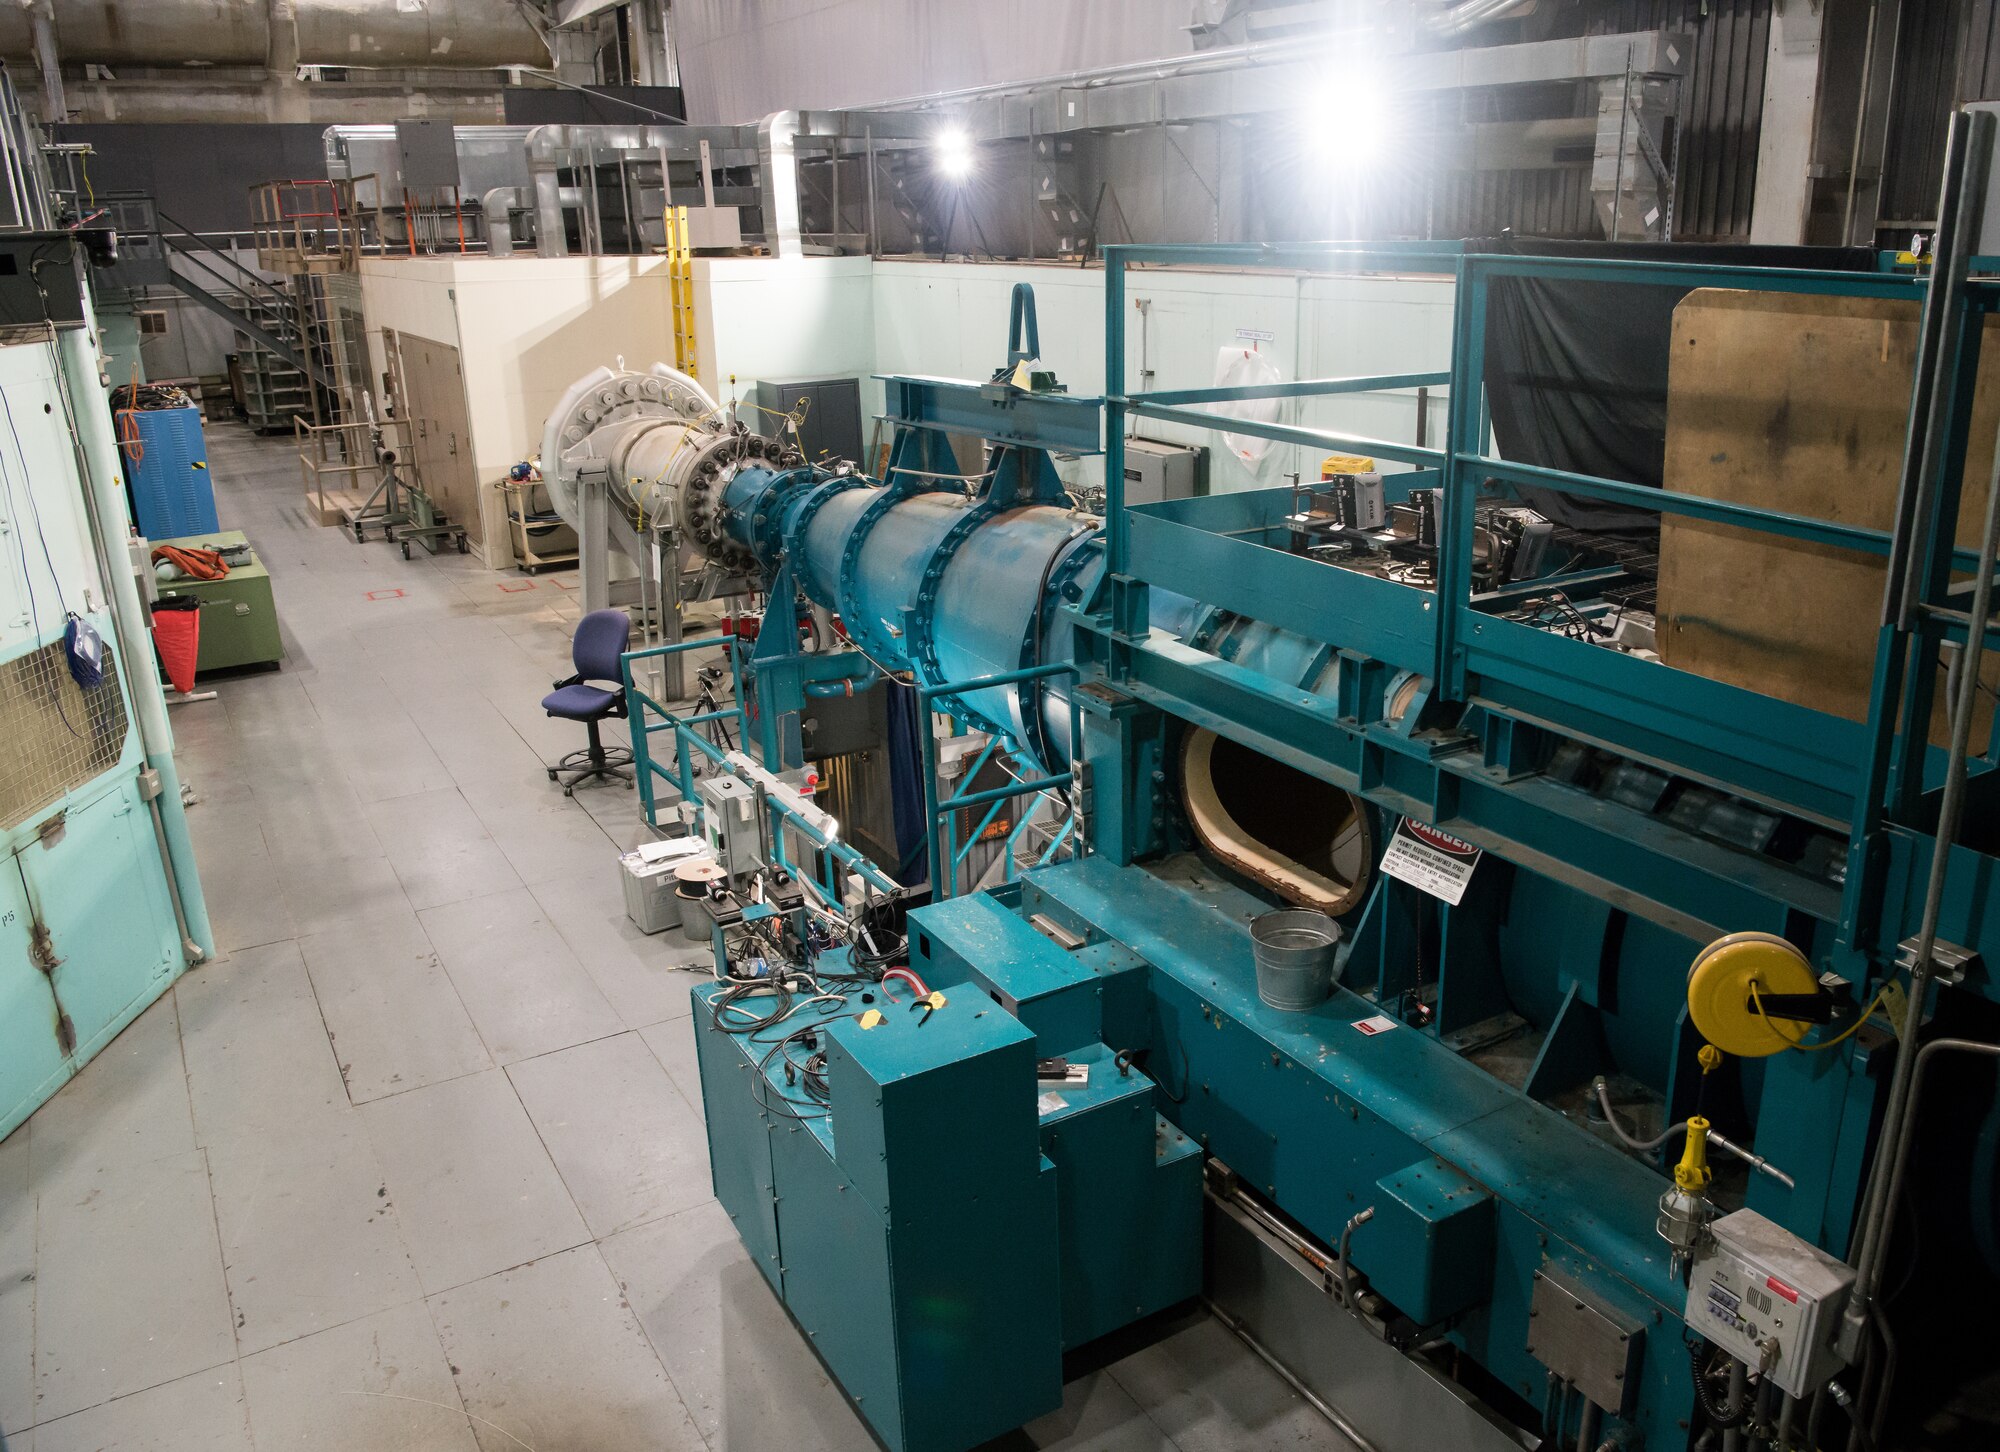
<point x="780" y="993"/>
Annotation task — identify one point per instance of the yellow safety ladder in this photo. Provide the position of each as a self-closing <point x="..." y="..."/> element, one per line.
<point x="680" y="271"/>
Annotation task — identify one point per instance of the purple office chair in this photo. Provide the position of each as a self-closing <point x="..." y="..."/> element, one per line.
<point x="600" y="639"/>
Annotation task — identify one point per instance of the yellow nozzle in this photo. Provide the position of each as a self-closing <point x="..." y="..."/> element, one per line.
<point x="1710" y="1059"/>
<point x="1692" y="1173"/>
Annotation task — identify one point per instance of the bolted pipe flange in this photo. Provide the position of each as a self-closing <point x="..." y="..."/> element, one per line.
<point x="922" y="640"/>
<point x="846" y="590"/>
<point x="794" y="536"/>
<point x="1074" y="554"/>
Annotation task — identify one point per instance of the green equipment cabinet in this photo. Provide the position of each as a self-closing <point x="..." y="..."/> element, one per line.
<point x="239" y="622"/>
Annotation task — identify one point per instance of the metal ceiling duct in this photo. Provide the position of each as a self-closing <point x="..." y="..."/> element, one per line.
<point x="149" y="32"/>
<point x="433" y="34"/>
<point x="456" y="34"/>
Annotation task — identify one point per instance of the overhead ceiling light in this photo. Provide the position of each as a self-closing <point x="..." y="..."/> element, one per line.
<point x="1346" y="127"/>
<point x="953" y="151"/>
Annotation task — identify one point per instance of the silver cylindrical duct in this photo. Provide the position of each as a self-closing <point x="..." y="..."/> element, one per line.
<point x="461" y="34"/>
<point x="499" y="205"/>
<point x="778" y="181"/>
<point x="156" y="32"/>
<point x="469" y="34"/>
<point x="662" y="446"/>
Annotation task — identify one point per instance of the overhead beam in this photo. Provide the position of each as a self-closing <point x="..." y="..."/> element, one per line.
<point x="1267" y="81"/>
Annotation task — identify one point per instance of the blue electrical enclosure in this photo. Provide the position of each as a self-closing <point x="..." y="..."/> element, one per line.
<point x="166" y="459"/>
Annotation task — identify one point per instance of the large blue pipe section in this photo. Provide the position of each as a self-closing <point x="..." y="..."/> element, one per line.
<point x="933" y="583"/>
<point x="950" y="589"/>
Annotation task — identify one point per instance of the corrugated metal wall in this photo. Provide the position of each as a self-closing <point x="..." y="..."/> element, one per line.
<point x="1948" y="52"/>
<point x="1716" y="172"/>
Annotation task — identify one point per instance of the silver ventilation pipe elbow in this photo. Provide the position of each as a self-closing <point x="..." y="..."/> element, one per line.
<point x="778" y="183"/>
<point x="499" y="206"/>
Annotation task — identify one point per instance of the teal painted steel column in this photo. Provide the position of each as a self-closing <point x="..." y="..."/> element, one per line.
<point x="104" y="488"/>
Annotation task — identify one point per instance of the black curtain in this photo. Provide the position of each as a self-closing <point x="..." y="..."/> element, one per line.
<point x="1576" y="372"/>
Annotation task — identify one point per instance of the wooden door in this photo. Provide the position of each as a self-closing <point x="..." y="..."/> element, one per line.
<point x="430" y="388"/>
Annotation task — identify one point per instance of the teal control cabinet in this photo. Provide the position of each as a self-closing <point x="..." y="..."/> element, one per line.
<point x="945" y="1225"/>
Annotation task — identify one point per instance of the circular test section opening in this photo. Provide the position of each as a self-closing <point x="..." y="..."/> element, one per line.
<point x="1303" y="838"/>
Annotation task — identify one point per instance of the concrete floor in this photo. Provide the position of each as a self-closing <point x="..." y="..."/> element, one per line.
<point x="418" y="1163"/>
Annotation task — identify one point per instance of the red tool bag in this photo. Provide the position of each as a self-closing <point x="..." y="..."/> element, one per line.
<point x="177" y="638"/>
<point x="194" y="561"/>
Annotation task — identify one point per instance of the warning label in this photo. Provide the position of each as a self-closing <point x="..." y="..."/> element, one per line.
<point x="1435" y="861"/>
<point x="1381" y="1023"/>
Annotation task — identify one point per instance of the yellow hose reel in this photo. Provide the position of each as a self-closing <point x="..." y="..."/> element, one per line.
<point x="1732" y="976"/>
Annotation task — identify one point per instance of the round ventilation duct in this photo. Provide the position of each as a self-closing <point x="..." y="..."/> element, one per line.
<point x="403" y="34"/>
<point x="150" y="32"/>
<point x="468" y="34"/>
<point x="1305" y="839"/>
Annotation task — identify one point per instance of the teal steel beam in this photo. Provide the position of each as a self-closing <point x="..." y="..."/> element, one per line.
<point x="1303" y="388"/>
<point x="1289" y="434"/>
<point x="1667" y="501"/>
<point x="997" y="412"/>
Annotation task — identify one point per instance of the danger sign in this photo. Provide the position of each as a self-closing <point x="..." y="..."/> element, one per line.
<point x="1435" y="861"/>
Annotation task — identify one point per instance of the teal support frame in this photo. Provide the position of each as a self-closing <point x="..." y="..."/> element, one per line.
<point x="946" y="852"/>
<point x="650" y="718"/>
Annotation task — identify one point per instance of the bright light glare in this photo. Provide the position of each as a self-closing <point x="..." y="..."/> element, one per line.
<point x="1347" y="128"/>
<point x="954" y="154"/>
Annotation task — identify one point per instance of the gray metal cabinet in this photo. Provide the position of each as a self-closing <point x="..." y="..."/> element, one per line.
<point x="831" y="425"/>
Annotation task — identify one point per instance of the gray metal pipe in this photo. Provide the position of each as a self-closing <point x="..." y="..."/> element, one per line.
<point x="464" y="34"/>
<point x="499" y="205"/>
<point x="79" y="368"/>
<point x="41" y="20"/>
<point x="1897" y="1117"/>
<point x="1878" y="1401"/>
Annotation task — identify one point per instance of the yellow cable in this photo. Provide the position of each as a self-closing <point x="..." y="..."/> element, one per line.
<point x="1757" y="1002"/>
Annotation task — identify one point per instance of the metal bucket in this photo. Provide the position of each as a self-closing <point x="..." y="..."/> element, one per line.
<point x="691" y="884"/>
<point x="696" y="919"/>
<point x="1294" y="949"/>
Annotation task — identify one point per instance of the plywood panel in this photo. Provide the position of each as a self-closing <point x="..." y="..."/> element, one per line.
<point x="1796" y="404"/>
<point x="432" y="386"/>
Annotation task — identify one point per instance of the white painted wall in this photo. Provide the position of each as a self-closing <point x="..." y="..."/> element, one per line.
<point x="526" y="328"/>
<point x="758" y="318"/>
<point x="951" y="320"/>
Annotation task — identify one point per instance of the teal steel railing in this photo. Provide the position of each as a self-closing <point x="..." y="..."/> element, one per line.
<point x="947" y="852"/>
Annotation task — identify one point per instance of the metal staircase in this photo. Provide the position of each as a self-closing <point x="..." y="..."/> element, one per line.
<point x="286" y="360"/>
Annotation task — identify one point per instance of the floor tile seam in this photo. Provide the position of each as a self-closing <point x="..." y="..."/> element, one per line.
<point x="625" y="1304"/>
<point x="135" y="1392"/>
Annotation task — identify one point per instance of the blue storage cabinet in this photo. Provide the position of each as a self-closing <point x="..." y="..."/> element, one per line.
<point x="167" y="471"/>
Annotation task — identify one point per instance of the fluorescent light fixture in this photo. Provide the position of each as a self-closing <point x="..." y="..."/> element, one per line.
<point x="953" y="150"/>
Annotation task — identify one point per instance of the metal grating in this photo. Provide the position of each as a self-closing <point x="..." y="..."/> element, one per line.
<point x="58" y="735"/>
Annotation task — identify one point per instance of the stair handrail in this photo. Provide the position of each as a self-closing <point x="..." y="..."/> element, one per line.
<point x="171" y="231"/>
